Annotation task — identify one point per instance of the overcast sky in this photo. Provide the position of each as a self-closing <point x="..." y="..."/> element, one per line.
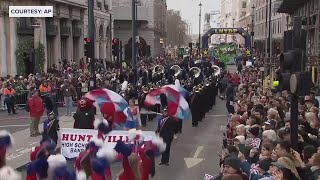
<point x="190" y="10"/>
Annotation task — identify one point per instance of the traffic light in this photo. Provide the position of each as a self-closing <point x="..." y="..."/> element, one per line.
<point x="87" y="46"/>
<point x="290" y="62"/>
<point x="115" y="47"/>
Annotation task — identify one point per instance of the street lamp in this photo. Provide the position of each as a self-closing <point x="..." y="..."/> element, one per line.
<point x="199" y="27"/>
<point x="252" y="24"/>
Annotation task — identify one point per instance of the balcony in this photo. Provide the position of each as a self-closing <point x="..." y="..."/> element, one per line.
<point x="65" y="31"/>
<point x="52" y="30"/>
<point x="24" y="29"/>
<point x="76" y="32"/>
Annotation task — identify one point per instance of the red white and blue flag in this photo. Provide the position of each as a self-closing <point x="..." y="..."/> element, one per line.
<point x="177" y="105"/>
<point x="185" y="93"/>
<point x="108" y="101"/>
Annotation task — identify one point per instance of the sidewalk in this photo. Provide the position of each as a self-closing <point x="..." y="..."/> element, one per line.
<point x="19" y="155"/>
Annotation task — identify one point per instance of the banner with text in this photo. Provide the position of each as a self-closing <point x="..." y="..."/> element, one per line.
<point x="74" y="141"/>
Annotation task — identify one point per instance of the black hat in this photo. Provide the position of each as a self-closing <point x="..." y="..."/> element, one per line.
<point x="233" y="162"/>
<point x="254" y="131"/>
<point x="265" y="163"/>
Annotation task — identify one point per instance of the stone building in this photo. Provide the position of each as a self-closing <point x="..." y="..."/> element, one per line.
<point x="62" y="36"/>
<point x="151" y="26"/>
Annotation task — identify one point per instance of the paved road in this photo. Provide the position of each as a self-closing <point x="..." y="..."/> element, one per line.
<point x="199" y="144"/>
<point x="20" y="121"/>
<point x="207" y="138"/>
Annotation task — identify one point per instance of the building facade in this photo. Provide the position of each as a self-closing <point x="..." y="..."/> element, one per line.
<point x="228" y="18"/>
<point x="151" y="26"/>
<point x="61" y="36"/>
<point x="279" y="24"/>
<point x="310" y="10"/>
<point x="103" y="28"/>
<point x="244" y="18"/>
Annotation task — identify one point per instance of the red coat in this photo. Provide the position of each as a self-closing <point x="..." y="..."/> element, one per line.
<point x="127" y="171"/>
<point x="36" y="106"/>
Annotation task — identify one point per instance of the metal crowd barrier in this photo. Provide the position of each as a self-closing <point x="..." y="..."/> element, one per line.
<point x="23" y="96"/>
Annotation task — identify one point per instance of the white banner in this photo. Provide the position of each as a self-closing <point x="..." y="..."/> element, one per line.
<point x="74" y="141"/>
<point x="30" y="11"/>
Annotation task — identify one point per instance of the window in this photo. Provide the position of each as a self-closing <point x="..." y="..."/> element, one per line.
<point x="279" y="29"/>
<point x="244" y="4"/>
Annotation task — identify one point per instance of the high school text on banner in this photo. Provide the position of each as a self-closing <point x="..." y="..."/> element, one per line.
<point x="74" y="141"/>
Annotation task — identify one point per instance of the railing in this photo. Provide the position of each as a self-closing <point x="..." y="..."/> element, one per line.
<point x="23" y="96"/>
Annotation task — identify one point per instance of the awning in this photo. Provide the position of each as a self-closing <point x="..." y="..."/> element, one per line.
<point x="289" y="6"/>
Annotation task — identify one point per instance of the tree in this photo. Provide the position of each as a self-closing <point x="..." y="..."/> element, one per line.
<point x="177" y="29"/>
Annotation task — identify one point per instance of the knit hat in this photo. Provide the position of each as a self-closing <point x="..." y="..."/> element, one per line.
<point x="254" y="131"/>
<point x="264" y="164"/>
<point x="233" y="162"/>
<point x="241" y="139"/>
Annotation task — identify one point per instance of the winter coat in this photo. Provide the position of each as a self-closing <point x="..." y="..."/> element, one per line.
<point x="36" y="106"/>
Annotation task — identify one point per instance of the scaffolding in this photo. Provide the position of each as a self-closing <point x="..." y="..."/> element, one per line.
<point x="310" y="10"/>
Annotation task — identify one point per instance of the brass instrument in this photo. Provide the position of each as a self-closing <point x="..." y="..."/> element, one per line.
<point x="196" y="71"/>
<point x="158" y="69"/>
<point x="207" y="82"/>
<point x="217" y="70"/>
<point x="177" y="70"/>
<point x="145" y="89"/>
<point x="139" y="82"/>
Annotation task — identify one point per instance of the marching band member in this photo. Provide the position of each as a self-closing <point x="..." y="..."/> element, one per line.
<point x="84" y="116"/>
<point x="142" y="97"/>
<point x="166" y="129"/>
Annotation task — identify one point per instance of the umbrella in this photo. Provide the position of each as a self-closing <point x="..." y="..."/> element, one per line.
<point x="177" y="105"/>
<point x="108" y="101"/>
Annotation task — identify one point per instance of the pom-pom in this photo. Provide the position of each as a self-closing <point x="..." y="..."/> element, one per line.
<point x="9" y="173"/>
<point x="6" y="139"/>
<point x="41" y="167"/>
<point x="158" y="141"/>
<point x="107" y="153"/>
<point x="135" y="135"/>
<point x="102" y="126"/>
<point x="55" y="161"/>
<point x="99" y="165"/>
<point x="64" y="173"/>
<point x="132" y="134"/>
<point x="96" y="142"/>
<point x="81" y="175"/>
<point x="122" y="148"/>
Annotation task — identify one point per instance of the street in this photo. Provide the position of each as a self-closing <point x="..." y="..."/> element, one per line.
<point x="205" y="139"/>
<point x="193" y="153"/>
<point x="18" y="122"/>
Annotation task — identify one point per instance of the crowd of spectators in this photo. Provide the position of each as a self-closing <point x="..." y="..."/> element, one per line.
<point x="257" y="141"/>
